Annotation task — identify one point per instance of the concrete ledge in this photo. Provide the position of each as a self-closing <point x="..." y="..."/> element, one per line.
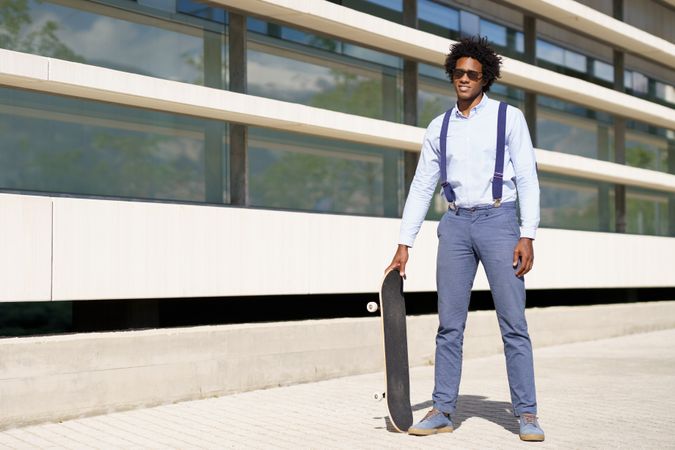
<point x="59" y="377"/>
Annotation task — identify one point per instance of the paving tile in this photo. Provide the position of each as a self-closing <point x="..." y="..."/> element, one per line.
<point x="612" y="393"/>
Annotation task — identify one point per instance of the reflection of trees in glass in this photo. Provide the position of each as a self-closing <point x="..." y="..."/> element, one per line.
<point x="15" y="23"/>
<point x="319" y="183"/>
<point x="325" y="43"/>
<point x="646" y="217"/>
<point x="196" y="61"/>
<point x="568" y="209"/>
<point x="351" y="94"/>
<point x="314" y="182"/>
<point x="431" y="109"/>
<point x="119" y="165"/>
<point x="645" y="157"/>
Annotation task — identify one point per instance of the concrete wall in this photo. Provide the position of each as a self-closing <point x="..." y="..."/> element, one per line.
<point x="58" y="377"/>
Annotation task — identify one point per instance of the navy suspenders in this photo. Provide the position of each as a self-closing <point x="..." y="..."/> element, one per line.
<point x="497" y="178"/>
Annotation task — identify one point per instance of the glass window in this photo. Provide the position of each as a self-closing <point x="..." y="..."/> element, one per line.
<point x="435" y="94"/>
<point x="603" y="71"/>
<point x="646" y="147"/>
<point x="520" y="42"/>
<point x="440" y="15"/>
<point x="109" y="37"/>
<point x="575" y="61"/>
<point x="646" y="212"/>
<point x="57" y="144"/>
<point x="323" y="80"/>
<point x="568" y="128"/>
<point x="665" y="92"/>
<point x="198" y="9"/>
<point x="386" y="9"/>
<point x="396" y="5"/>
<point x="640" y="83"/>
<point x="164" y="5"/>
<point x="550" y="52"/>
<point x="628" y="79"/>
<point x="495" y="33"/>
<point x="575" y="204"/>
<point x="309" y="173"/>
<point x="469" y="23"/>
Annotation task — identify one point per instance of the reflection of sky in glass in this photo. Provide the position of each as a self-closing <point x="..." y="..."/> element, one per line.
<point x="199" y="9"/>
<point x="520" y="42"/>
<point x="432" y="71"/>
<point x="549" y="52"/>
<point x="376" y="57"/>
<point x="396" y="5"/>
<point x="640" y="83"/>
<point x="665" y="91"/>
<point x="438" y="14"/>
<point x="494" y="32"/>
<point x="469" y="23"/>
<point x="120" y="44"/>
<point x="628" y="79"/>
<point x="286" y="79"/>
<point x="257" y="25"/>
<point x="603" y="70"/>
<point x="575" y="61"/>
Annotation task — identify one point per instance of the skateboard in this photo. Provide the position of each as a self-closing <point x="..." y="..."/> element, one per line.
<point x="396" y="369"/>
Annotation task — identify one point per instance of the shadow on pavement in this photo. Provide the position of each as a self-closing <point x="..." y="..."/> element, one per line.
<point x="469" y="406"/>
<point x="500" y="413"/>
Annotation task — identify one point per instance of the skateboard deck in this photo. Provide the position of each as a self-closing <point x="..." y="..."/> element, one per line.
<point x="396" y="368"/>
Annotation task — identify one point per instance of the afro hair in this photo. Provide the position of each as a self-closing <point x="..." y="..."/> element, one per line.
<point x="479" y="49"/>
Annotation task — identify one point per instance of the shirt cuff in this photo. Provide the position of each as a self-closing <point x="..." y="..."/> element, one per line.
<point x="403" y="240"/>
<point x="528" y="232"/>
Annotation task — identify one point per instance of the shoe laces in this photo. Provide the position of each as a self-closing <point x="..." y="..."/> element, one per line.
<point x="434" y="412"/>
<point x="529" y="418"/>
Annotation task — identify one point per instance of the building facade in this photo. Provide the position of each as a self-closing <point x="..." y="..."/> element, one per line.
<point x="157" y="149"/>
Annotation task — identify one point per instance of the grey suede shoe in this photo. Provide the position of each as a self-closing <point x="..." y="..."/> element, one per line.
<point x="530" y="429"/>
<point x="434" y="422"/>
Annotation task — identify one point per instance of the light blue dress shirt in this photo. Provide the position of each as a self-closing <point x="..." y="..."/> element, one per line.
<point x="471" y="153"/>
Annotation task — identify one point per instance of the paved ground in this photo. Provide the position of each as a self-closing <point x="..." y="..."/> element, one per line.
<point x="613" y="393"/>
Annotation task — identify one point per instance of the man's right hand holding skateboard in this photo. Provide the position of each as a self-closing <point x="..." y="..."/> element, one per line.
<point x="400" y="260"/>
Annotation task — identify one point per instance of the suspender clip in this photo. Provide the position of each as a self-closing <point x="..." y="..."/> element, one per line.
<point x="497" y="203"/>
<point x="452" y="206"/>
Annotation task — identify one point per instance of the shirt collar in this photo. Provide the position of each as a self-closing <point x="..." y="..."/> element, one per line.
<point x="474" y="110"/>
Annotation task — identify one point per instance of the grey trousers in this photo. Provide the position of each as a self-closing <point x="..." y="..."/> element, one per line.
<point x="488" y="235"/>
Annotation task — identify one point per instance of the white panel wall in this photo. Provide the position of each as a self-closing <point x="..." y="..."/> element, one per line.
<point x="106" y="249"/>
<point x="25" y="247"/>
<point x="118" y="249"/>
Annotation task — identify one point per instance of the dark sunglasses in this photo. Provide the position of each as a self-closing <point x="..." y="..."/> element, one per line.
<point x="458" y="74"/>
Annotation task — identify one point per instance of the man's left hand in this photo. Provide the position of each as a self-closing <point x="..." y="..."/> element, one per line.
<point x="525" y="254"/>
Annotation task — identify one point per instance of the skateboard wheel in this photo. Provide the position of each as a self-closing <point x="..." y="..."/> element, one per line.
<point x="378" y="396"/>
<point x="372" y="307"/>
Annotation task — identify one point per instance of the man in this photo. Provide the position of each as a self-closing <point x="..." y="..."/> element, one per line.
<point x="480" y="225"/>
